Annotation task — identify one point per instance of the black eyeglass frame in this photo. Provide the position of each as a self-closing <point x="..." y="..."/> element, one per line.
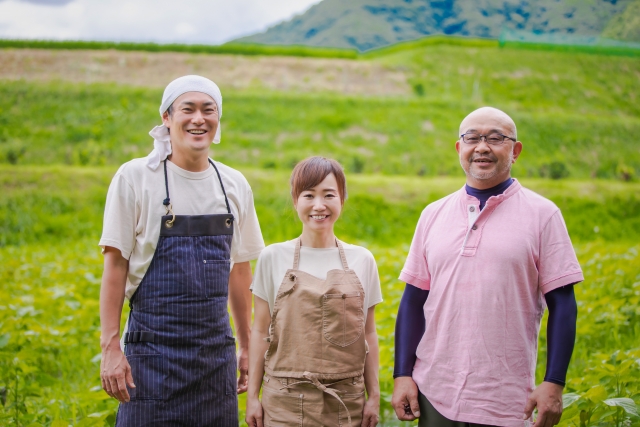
<point x="485" y="138"/>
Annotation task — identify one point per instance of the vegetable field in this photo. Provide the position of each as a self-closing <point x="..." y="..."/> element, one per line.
<point x="50" y="219"/>
<point x="61" y="141"/>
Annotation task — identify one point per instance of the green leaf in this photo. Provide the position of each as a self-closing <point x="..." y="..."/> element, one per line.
<point x="568" y="399"/>
<point x="625" y="403"/>
<point x="596" y="393"/>
<point x="4" y="340"/>
<point x="59" y="423"/>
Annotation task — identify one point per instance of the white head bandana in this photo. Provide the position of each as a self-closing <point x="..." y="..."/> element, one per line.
<point x="180" y="86"/>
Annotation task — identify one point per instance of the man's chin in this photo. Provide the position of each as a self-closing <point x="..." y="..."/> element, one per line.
<point x="482" y="174"/>
<point x="200" y="146"/>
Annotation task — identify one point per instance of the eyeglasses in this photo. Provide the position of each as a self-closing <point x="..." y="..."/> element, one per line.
<point x="492" y="138"/>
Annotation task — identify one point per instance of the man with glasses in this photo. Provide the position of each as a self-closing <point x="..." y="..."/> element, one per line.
<point x="482" y="265"/>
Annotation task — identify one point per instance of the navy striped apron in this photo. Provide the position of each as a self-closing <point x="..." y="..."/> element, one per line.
<point x="179" y="342"/>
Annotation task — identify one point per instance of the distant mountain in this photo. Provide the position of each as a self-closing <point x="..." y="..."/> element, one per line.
<point x="625" y="26"/>
<point x="368" y="24"/>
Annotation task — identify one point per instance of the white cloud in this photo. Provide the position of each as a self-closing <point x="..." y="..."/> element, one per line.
<point x="164" y="21"/>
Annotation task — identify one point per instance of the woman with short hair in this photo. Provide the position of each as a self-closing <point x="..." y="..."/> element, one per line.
<point x="314" y="335"/>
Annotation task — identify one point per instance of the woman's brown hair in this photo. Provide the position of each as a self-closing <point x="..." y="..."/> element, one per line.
<point x="312" y="171"/>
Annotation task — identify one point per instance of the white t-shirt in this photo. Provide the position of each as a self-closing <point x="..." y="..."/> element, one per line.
<point x="276" y="259"/>
<point x="134" y="210"/>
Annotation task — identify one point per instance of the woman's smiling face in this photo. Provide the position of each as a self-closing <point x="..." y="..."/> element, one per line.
<point x="320" y="207"/>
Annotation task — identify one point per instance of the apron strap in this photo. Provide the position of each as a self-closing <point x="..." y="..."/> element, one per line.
<point x="167" y="201"/>
<point x="296" y="255"/>
<point x="226" y="201"/>
<point x="343" y="257"/>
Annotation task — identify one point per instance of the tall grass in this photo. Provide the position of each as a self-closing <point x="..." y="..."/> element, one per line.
<point x="106" y="124"/>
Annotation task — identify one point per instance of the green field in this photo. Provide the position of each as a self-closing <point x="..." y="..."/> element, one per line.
<point x="577" y="115"/>
<point x="50" y="218"/>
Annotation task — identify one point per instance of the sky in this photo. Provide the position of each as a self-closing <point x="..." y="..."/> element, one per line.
<point x="162" y="21"/>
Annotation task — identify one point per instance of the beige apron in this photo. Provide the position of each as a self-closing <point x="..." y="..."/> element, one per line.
<point x="315" y="362"/>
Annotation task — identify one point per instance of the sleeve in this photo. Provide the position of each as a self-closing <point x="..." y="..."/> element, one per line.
<point x="375" y="292"/>
<point x="262" y="285"/>
<point x="557" y="262"/>
<point x="561" y="333"/>
<point x="249" y="242"/>
<point x="121" y="214"/>
<point x="416" y="270"/>
<point x="410" y="326"/>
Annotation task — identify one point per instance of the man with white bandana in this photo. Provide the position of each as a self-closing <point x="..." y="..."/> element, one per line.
<point x="179" y="232"/>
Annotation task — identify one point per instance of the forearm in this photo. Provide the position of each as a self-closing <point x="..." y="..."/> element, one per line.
<point x="257" y="349"/>
<point x="561" y="333"/>
<point x="240" y="301"/>
<point x="112" y="293"/>
<point x="372" y="367"/>
<point x="410" y="326"/>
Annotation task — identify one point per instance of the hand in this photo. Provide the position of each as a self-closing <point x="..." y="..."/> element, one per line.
<point x="371" y="412"/>
<point x="405" y="399"/>
<point x="253" y="414"/>
<point x="243" y="367"/>
<point x="114" y="372"/>
<point x="547" y="397"/>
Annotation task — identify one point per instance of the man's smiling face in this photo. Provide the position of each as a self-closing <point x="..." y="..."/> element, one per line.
<point x="192" y="123"/>
<point x="484" y="164"/>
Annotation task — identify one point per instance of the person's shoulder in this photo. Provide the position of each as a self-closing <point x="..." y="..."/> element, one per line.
<point x="137" y="167"/>
<point x="276" y="250"/>
<point x="232" y="175"/>
<point x="134" y="170"/>
<point x="357" y="251"/>
<point x="437" y="205"/>
<point x="537" y="202"/>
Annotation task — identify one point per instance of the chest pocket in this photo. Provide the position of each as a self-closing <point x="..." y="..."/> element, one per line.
<point x="342" y="317"/>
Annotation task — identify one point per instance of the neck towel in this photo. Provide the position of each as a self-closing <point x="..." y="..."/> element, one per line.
<point x="180" y="86"/>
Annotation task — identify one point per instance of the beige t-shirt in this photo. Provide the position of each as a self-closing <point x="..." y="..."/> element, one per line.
<point x="134" y="209"/>
<point x="276" y="259"/>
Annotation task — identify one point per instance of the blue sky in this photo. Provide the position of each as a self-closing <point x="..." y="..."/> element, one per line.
<point x="163" y="21"/>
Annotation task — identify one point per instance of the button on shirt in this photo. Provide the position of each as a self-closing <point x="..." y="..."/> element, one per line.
<point x="487" y="272"/>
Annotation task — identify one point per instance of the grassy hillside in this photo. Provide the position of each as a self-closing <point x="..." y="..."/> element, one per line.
<point x="626" y="25"/>
<point x="573" y="117"/>
<point x="368" y="24"/>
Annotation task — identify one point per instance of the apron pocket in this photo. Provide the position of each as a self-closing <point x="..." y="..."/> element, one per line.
<point x="148" y="375"/>
<point x="342" y="318"/>
<point x="216" y="277"/>
<point x="281" y="409"/>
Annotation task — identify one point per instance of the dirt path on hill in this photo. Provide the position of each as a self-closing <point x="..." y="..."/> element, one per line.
<point x="228" y="71"/>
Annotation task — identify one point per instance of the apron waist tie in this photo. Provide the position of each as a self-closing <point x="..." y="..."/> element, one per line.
<point x="139" y="336"/>
<point x="313" y="379"/>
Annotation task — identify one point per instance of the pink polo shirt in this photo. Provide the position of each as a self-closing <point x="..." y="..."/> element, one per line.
<point x="486" y="273"/>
